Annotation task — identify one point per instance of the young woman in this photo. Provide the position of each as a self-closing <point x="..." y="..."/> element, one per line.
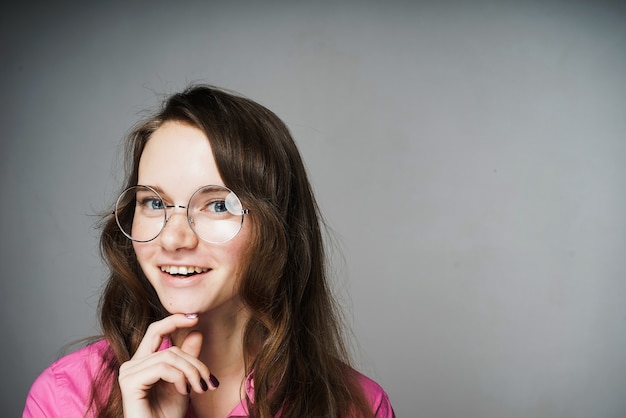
<point x="217" y="303"/>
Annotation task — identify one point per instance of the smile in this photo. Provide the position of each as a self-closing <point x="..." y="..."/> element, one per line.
<point x="183" y="270"/>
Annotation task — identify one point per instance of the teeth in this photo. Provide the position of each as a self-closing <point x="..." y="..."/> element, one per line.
<point x="183" y="270"/>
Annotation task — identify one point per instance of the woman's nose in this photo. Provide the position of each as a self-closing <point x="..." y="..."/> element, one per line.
<point x="177" y="232"/>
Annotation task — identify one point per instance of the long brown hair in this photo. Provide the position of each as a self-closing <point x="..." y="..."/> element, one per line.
<point x="293" y="341"/>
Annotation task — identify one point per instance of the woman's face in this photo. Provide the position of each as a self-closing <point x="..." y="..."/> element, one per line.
<point x="177" y="161"/>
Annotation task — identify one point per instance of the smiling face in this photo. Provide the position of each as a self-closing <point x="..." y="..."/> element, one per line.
<point x="188" y="274"/>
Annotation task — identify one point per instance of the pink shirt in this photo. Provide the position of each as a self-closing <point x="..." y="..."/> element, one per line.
<point x="63" y="389"/>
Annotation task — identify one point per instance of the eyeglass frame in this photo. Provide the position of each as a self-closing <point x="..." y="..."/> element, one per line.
<point x="167" y="218"/>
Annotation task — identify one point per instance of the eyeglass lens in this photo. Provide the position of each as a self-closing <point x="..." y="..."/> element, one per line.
<point x="214" y="213"/>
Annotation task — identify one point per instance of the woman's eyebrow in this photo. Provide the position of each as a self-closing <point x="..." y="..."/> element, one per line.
<point x="155" y="188"/>
<point x="159" y="190"/>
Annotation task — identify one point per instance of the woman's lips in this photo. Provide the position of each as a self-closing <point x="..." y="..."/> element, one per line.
<point x="183" y="270"/>
<point x="180" y="277"/>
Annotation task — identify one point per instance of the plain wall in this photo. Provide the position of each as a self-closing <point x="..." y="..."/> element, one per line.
<point x="470" y="157"/>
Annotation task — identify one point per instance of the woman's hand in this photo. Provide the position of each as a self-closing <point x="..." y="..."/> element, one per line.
<point x="158" y="383"/>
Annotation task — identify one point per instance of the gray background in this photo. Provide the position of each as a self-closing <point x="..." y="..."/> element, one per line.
<point x="468" y="155"/>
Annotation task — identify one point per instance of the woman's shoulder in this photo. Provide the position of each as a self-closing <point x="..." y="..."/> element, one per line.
<point x="89" y="355"/>
<point x="64" y="387"/>
<point x="80" y="365"/>
<point x="378" y="398"/>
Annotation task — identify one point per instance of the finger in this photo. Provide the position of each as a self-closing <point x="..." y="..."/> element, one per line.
<point x="156" y="331"/>
<point x="145" y="372"/>
<point x="196" y="371"/>
<point x="137" y="380"/>
<point x="192" y="344"/>
<point x="173" y="356"/>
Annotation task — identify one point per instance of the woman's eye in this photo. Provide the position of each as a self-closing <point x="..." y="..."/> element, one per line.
<point x="218" y="206"/>
<point x="152" y="204"/>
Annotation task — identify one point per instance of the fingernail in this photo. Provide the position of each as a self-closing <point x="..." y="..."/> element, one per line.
<point x="214" y="382"/>
<point x="205" y="387"/>
<point x="191" y="315"/>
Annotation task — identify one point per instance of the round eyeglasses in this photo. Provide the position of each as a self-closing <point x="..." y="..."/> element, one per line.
<point x="214" y="213"/>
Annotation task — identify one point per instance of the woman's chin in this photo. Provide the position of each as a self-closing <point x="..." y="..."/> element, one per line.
<point x="183" y="307"/>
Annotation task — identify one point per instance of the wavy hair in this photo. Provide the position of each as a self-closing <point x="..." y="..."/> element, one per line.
<point x="293" y="341"/>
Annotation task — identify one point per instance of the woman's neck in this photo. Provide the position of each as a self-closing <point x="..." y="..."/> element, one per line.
<point x="222" y="340"/>
<point x="222" y="352"/>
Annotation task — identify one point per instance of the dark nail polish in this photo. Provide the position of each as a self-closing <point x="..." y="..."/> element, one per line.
<point x="214" y="381"/>
<point x="205" y="387"/>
